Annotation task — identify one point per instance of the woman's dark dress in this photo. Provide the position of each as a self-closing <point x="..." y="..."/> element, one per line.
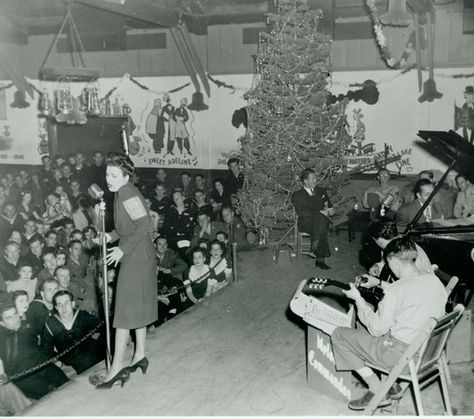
<point x="136" y="303"/>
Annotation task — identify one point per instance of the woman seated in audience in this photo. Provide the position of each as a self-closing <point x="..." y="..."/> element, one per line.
<point x="26" y="208"/>
<point x="54" y="210"/>
<point x="22" y="302"/>
<point x="61" y="256"/>
<point x="219" y="198"/>
<point x="83" y="213"/>
<point x="199" y="280"/>
<point x="24" y="281"/>
<point x="66" y="327"/>
<point x="218" y="264"/>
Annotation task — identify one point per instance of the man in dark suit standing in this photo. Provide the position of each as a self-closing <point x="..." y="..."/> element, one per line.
<point x="313" y="206"/>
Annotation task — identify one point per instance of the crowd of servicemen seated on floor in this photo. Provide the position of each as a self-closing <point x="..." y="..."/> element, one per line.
<point x="50" y="267"/>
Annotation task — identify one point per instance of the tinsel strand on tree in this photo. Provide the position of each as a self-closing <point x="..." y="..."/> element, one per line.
<point x="291" y="127"/>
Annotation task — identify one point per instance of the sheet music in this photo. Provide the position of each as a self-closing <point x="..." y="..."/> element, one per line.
<point x="317" y="310"/>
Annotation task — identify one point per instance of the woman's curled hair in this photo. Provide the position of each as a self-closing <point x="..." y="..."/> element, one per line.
<point x="123" y="161"/>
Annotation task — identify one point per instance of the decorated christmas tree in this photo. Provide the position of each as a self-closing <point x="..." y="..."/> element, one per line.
<point x="291" y="125"/>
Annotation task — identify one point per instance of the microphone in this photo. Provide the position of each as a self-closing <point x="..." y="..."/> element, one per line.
<point x="95" y="192"/>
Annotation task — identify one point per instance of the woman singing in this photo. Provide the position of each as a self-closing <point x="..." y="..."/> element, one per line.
<point x="136" y="302"/>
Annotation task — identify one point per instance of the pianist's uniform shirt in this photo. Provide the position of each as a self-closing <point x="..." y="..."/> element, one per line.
<point x="399" y="318"/>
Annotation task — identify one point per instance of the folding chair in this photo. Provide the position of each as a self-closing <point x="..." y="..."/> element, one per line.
<point x="448" y="281"/>
<point x="426" y="362"/>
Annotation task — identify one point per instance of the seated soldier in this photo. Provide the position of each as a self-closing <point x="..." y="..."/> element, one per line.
<point x="464" y="205"/>
<point x="10" y="262"/>
<point x="85" y="298"/>
<point x="42" y="307"/>
<point x="206" y="228"/>
<point x="200" y="184"/>
<point x="10" y="220"/>
<point x="313" y="206"/>
<point x="160" y="202"/>
<point x="29" y="229"/>
<point x="199" y="204"/>
<point x="178" y="224"/>
<point x="78" y="261"/>
<point x="170" y="280"/>
<point x="383" y="193"/>
<point x="49" y="262"/>
<point x="67" y="326"/>
<point x="51" y="239"/>
<point x="236" y="229"/>
<point x="34" y="256"/>
<point x="400" y="317"/>
<point x="20" y="352"/>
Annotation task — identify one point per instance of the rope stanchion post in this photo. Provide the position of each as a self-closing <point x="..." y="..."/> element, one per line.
<point x="234" y="262"/>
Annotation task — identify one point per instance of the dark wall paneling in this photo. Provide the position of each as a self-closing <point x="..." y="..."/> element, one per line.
<point x="468" y="17"/>
<point x="250" y="35"/>
<point x="146" y="41"/>
<point x="97" y="134"/>
<point x="106" y="42"/>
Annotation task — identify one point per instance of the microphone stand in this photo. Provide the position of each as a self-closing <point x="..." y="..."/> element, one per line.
<point x="105" y="280"/>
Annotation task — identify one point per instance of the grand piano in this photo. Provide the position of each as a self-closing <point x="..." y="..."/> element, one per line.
<point x="448" y="243"/>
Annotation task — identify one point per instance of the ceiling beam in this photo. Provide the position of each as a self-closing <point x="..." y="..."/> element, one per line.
<point x="144" y="10"/>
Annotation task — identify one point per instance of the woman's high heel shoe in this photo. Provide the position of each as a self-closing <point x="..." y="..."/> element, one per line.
<point x="142" y="364"/>
<point x="123" y="376"/>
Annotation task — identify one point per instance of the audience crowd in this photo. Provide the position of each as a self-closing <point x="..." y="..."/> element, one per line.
<point x="51" y="315"/>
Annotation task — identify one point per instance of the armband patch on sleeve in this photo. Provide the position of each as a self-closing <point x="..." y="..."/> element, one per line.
<point x="135" y="208"/>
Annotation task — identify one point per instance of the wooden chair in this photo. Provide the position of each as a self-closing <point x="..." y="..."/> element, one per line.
<point x="302" y="240"/>
<point x="426" y="361"/>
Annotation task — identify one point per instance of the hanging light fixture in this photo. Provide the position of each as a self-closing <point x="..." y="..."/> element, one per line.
<point x="44" y="106"/>
<point x="19" y="100"/>
<point x="63" y="100"/>
<point x="396" y="14"/>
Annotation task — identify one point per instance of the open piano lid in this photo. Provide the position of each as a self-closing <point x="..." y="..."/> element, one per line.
<point x="451" y="149"/>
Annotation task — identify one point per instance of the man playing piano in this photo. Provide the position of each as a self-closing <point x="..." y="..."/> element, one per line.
<point x="433" y="211"/>
<point x="399" y="318"/>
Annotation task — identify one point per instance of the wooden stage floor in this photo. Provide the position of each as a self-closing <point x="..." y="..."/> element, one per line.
<point x="236" y="354"/>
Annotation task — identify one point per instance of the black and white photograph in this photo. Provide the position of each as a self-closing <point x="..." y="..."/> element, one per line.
<point x="248" y="208"/>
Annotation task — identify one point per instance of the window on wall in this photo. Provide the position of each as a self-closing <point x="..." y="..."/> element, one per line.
<point x="118" y="41"/>
<point x="468" y="17"/>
